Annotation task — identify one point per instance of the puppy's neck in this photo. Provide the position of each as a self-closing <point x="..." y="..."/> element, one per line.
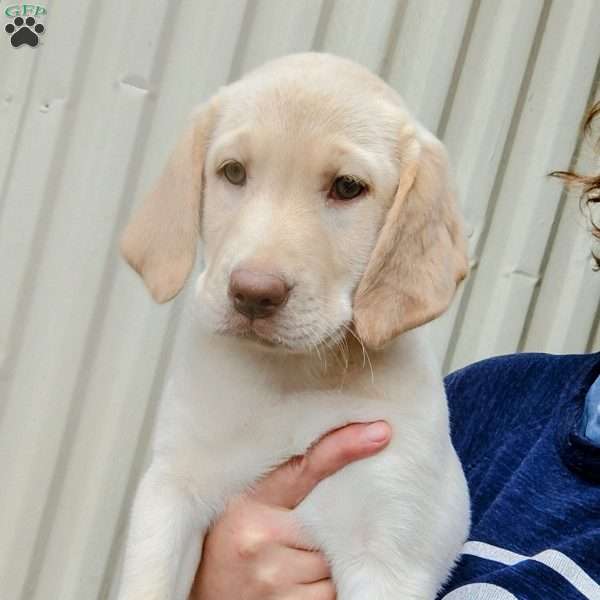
<point x="326" y="367"/>
<point x="333" y="366"/>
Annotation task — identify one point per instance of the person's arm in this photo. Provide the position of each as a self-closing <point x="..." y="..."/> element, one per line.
<point x="256" y="551"/>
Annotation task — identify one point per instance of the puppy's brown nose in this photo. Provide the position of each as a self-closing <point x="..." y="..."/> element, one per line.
<point x="257" y="295"/>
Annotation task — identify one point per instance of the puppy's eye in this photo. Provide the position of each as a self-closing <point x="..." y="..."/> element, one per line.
<point x="235" y="173"/>
<point x="347" y="188"/>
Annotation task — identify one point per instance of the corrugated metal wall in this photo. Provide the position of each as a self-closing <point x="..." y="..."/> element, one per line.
<point x="86" y="120"/>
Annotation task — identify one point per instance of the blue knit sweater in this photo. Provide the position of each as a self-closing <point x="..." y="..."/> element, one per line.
<point x="519" y="427"/>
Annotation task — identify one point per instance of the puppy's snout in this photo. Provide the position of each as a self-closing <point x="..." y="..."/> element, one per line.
<point x="257" y="295"/>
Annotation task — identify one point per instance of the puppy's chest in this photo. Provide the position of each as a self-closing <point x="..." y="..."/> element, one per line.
<point x="234" y="438"/>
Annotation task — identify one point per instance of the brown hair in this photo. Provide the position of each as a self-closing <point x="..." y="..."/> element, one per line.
<point x="589" y="184"/>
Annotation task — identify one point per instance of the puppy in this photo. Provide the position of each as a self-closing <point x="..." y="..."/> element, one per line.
<point x="330" y="233"/>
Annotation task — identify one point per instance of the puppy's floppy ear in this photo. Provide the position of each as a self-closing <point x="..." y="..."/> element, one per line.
<point x="160" y="240"/>
<point x="420" y="255"/>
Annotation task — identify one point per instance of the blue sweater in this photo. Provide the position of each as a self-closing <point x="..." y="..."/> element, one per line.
<point x="519" y="427"/>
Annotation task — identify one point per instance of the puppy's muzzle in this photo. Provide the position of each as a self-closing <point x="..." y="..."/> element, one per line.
<point x="257" y="295"/>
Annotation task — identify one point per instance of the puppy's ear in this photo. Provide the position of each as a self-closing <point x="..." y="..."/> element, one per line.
<point x="420" y="255"/>
<point x="160" y="240"/>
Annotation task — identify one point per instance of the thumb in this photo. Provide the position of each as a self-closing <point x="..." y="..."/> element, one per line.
<point x="290" y="483"/>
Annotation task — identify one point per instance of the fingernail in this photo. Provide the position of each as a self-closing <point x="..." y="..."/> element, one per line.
<point x="377" y="432"/>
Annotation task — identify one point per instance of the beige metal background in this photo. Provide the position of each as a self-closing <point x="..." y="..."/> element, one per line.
<point x="86" y="120"/>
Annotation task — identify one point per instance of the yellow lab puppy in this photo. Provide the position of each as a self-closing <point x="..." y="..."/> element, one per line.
<point x="330" y="234"/>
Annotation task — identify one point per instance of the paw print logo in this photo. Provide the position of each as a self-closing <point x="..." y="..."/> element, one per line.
<point x="24" y="32"/>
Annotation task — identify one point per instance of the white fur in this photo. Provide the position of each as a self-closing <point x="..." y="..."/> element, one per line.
<point x="391" y="525"/>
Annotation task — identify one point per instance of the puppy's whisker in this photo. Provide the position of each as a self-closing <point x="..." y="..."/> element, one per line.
<point x="366" y="357"/>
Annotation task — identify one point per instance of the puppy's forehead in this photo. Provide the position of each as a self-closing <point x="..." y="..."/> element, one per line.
<point x="314" y="94"/>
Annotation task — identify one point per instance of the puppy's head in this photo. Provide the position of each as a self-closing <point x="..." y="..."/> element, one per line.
<point x="322" y="206"/>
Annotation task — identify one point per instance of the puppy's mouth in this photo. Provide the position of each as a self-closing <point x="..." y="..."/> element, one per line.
<point x="276" y="337"/>
<point x="261" y="332"/>
<point x="266" y="342"/>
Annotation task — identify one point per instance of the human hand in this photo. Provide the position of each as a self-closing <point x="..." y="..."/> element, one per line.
<point x="255" y="550"/>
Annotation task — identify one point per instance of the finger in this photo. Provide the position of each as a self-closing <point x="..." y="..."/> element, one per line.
<point x="258" y="525"/>
<point x="322" y="590"/>
<point x="288" y="566"/>
<point x="289" y="484"/>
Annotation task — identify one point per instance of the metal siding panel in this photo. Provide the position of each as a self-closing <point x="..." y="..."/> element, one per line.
<point x="477" y="123"/>
<point x="426" y="55"/>
<point x="525" y="207"/>
<point x="361" y="30"/>
<point x="564" y="311"/>
<point x="87" y="120"/>
<point x="273" y="30"/>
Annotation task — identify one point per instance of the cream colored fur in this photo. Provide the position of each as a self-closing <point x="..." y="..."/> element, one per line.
<point x="364" y="274"/>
